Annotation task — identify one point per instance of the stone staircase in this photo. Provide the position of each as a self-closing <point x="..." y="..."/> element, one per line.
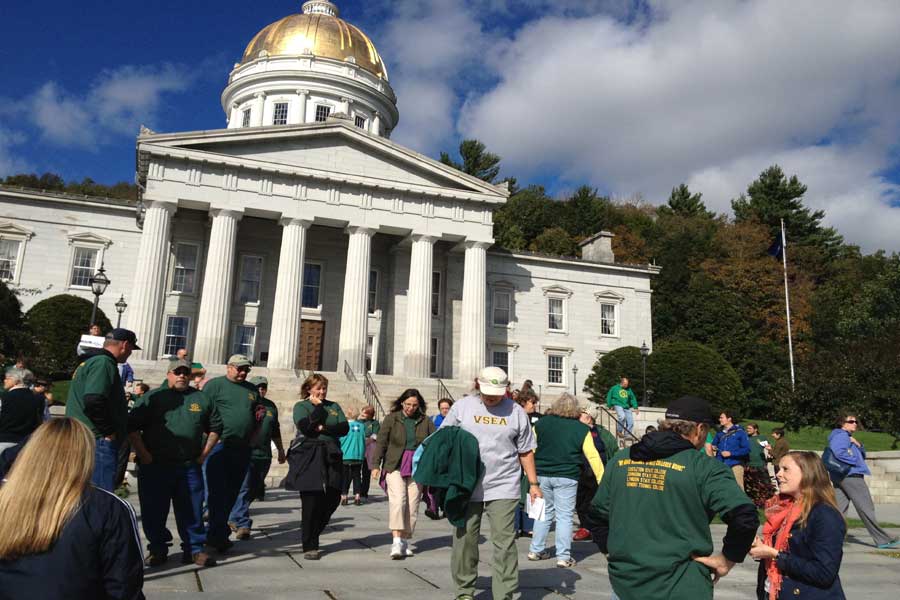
<point x="885" y="480"/>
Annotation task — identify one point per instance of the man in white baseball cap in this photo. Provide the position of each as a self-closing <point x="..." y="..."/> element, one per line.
<point x="506" y="444"/>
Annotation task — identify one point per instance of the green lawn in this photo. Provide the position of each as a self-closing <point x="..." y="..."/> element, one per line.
<point x="816" y="438"/>
<point x="60" y="391"/>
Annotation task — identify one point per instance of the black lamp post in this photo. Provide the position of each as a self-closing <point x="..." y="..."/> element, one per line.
<point x="645" y="351"/>
<point x="99" y="282"/>
<point x="574" y="381"/>
<point x="121" y="305"/>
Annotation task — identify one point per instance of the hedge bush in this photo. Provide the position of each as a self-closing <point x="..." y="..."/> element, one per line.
<point x="57" y="324"/>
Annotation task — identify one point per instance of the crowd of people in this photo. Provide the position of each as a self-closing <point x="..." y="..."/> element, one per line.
<point x="204" y="446"/>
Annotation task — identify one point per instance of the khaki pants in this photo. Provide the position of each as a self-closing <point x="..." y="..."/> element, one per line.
<point x="504" y="560"/>
<point x="404" y="496"/>
<point x="738" y="471"/>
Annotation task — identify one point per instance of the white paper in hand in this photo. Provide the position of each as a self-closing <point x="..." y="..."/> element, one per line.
<point x="537" y="509"/>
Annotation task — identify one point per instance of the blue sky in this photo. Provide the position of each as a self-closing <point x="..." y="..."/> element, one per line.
<point x="632" y="97"/>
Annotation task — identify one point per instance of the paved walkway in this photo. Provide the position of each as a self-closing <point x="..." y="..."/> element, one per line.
<point x="356" y="564"/>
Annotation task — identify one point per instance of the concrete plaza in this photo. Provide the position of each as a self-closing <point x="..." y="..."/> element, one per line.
<point x="355" y="563"/>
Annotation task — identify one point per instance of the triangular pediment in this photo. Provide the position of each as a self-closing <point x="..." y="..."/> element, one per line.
<point x="609" y="296"/>
<point x="330" y="147"/>
<point x="89" y="238"/>
<point x="10" y="229"/>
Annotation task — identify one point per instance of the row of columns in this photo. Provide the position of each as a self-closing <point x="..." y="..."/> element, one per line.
<point x="211" y="345"/>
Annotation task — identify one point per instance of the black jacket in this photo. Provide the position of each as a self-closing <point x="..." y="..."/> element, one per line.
<point x="811" y="564"/>
<point x="21" y="412"/>
<point x="97" y="556"/>
<point x="316" y="463"/>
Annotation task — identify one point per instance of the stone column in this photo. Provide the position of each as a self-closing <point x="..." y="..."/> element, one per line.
<point x="149" y="286"/>
<point x="472" y="335"/>
<point x="376" y="124"/>
<point x="354" y="311"/>
<point x="218" y="280"/>
<point x="284" y="343"/>
<point x="418" y="308"/>
<point x="259" y="104"/>
<point x="299" y="115"/>
<point x="345" y="106"/>
<point x="234" y="120"/>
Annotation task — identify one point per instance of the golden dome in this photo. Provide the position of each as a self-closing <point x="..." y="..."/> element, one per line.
<point x="320" y="34"/>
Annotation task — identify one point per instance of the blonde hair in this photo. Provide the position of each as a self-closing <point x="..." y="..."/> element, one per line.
<point x="44" y="488"/>
<point x="310" y="382"/>
<point x="565" y="406"/>
<point x="351" y="413"/>
<point x="815" y="483"/>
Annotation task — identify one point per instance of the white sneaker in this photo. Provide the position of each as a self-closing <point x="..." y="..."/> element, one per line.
<point x="407" y="551"/>
<point x="397" y="550"/>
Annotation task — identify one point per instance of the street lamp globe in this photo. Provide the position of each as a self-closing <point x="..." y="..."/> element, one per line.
<point x="121" y="305"/>
<point x="645" y="349"/>
<point x="99" y="281"/>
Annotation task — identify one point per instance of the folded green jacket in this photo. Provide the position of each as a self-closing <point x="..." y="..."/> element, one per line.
<point x="451" y="460"/>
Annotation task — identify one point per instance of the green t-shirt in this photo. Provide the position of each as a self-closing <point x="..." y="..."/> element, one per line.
<point x="98" y="376"/>
<point x="335" y="416"/>
<point x="410" y="426"/>
<point x="757" y="452"/>
<point x="659" y="514"/>
<point x="560" y="446"/>
<point x="372" y="427"/>
<point x="172" y="424"/>
<point x="268" y="429"/>
<point x="236" y="403"/>
<point x="619" y="396"/>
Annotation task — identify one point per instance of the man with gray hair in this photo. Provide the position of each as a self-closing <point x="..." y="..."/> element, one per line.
<point x="97" y="399"/>
<point x="21" y="412"/>
<point x="653" y="509"/>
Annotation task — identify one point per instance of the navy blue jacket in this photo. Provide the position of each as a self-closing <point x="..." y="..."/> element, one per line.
<point x="733" y="440"/>
<point x="811" y="565"/>
<point x="97" y="556"/>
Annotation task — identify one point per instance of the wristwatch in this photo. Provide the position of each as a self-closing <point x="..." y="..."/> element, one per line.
<point x="534" y="484"/>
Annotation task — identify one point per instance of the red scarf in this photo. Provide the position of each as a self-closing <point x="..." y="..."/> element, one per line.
<point x="781" y="514"/>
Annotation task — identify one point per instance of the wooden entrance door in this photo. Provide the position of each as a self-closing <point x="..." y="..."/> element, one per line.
<point x="312" y="336"/>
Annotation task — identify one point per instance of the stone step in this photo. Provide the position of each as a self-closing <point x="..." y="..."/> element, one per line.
<point x="877" y="470"/>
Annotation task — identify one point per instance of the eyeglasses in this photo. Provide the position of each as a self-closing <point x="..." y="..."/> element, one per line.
<point x="850" y="421"/>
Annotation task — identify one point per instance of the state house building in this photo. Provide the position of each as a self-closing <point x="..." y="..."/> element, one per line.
<point x="301" y="236"/>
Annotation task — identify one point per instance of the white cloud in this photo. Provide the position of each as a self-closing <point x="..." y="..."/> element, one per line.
<point x="117" y="102"/>
<point x="710" y="92"/>
<point x="9" y="162"/>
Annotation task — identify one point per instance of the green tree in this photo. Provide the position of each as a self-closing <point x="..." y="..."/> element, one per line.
<point x="86" y="187"/>
<point x="586" y="213"/>
<point x="679" y="368"/>
<point x="14" y="338"/>
<point x="685" y="204"/>
<point x="611" y="368"/>
<point x="523" y="217"/>
<point x="555" y="241"/>
<point x="772" y="197"/>
<point x="476" y="161"/>
<point x="57" y="324"/>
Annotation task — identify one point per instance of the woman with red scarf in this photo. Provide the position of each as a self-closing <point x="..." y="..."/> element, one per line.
<point x="801" y="546"/>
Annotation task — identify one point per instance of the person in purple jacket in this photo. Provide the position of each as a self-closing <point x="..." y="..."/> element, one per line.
<point x="732" y="446"/>
<point x="853" y="487"/>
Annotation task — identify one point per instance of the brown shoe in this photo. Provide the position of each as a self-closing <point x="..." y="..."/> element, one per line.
<point x="243" y="533"/>
<point x="312" y="555"/>
<point x="155" y="560"/>
<point x="232" y="527"/>
<point x="202" y="559"/>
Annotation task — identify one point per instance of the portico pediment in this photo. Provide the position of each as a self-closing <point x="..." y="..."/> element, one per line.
<point x="332" y="148"/>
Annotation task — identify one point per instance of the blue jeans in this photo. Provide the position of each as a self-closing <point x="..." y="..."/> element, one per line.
<point x="182" y="486"/>
<point x="106" y="464"/>
<point x="225" y="468"/>
<point x="559" y="496"/>
<point x="252" y="488"/>
<point x="625" y="417"/>
<point x="524" y="523"/>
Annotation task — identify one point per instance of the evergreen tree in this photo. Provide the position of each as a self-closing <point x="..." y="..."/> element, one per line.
<point x="772" y="197"/>
<point x="684" y="204"/>
<point x="476" y="161"/>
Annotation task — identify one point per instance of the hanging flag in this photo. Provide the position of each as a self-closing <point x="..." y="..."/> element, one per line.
<point x="777" y="248"/>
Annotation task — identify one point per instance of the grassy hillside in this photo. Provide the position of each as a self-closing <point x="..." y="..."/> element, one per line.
<point x="816" y="438"/>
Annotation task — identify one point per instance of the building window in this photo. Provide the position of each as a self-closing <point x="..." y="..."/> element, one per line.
<point x="176" y="334"/>
<point x="244" y="337"/>
<point x="84" y="265"/>
<point x="556" y="314"/>
<point x="435" y="294"/>
<point x="9" y="259"/>
<point x="500" y="358"/>
<point x="434" y="358"/>
<point x="370" y="347"/>
<point x="251" y="279"/>
<point x="245" y="117"/>
<point x="184" y="275"/>
<point x="322" y="113"/>
<point x="312" y="285"/>
<point x="360" y="122"/>
<point x="279" y="115"/>
<point x="502" y="308"/>
<point x="555" y="370"/>
<point x="373" y="291"/>
<point x="608" y="319"/>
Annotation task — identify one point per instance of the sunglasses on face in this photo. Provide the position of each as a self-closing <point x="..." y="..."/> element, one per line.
<point x="850" y="421"/>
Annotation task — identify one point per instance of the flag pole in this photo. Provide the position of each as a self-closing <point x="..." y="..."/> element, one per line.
<point x="787" y="302"/>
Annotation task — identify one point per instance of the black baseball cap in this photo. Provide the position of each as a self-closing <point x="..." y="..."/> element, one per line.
<point x="121" y="334"/>
<point x="690" y="408"/>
